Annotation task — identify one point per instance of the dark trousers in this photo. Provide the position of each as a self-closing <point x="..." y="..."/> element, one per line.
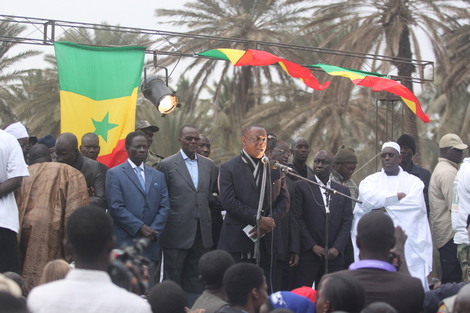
<point x="10" y="251"/>
<point x="312" y="268"/>
<point x="450" y="265"/>
<point x="181" y="265"/>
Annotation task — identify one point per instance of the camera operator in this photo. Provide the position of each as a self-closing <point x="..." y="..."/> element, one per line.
<point x="88" y="287"/>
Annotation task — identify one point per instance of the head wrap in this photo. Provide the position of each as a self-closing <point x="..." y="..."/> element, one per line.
<point x="391" y="144"/>
<point x="345" y="155"/>
<point x="48" y="140"/>
<point x="18" y="130"/>
<point x="291" y="301"/>
<point x="407" y="140"/>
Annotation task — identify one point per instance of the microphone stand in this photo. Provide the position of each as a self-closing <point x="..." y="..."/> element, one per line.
<point x="328" y="192"/>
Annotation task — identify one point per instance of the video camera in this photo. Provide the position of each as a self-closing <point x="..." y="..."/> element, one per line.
<point x="127" y="267"/>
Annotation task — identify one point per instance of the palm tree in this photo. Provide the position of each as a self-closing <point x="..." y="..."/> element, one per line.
<point x="251" y="20"/>
<point x="37" y="101"/>
<point x="8" y="78"/>
<point x="390" y="27"/>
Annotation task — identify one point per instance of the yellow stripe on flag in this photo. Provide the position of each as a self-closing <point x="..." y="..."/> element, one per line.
<point x="233" y="54"/>
<point x="78" y="112"/>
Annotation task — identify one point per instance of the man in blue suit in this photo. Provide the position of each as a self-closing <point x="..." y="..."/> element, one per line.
<point x="138" y="199"/>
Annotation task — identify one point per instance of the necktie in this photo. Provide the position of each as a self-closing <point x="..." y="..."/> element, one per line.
<point x="139" y="176"/>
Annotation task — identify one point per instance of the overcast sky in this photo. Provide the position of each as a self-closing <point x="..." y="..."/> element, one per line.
<point x="131" y="13"/>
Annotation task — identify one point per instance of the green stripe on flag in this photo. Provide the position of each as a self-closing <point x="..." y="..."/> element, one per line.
<point x="332" y="68"/>
<point x="214" y="54"/>
<point x="77" y="63"/>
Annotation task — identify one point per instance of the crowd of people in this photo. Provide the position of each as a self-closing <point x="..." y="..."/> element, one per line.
<point x="263" y="232"/>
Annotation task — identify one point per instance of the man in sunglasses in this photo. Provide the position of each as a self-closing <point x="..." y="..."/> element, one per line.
<point x="191" y="179"/>
<point x="400" y="195"/>
<point x="451" y="150"/>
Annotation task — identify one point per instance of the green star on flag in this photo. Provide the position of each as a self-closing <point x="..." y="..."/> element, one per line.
<point x="102" y="128"/>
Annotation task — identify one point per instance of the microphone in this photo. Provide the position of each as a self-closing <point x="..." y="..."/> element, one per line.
<point x="280" y="166"/>
<point x="264" y="160"/>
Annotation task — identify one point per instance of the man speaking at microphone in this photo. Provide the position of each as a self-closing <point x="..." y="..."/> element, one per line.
<point x="241" y="182"/>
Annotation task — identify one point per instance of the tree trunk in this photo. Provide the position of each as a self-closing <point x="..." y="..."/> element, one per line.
<point x="406" y="70"/>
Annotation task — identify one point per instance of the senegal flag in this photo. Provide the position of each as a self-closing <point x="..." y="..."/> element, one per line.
<point x="98" y="94"/>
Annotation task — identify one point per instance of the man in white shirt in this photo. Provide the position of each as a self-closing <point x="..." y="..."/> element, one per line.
<point x="88" y="287"/>
<point x="400" y="195"/>
<point x="460" y="216"/>
<point x="12" y="169"/>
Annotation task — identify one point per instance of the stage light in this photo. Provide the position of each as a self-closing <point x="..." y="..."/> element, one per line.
<point x="156" y="91"/>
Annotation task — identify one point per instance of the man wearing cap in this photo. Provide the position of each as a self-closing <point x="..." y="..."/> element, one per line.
<point x="440" y="201"/>
<point x="18" y="130"/>
<point x="49" y="141"/>
<point x="460" y="216"/>
<point x="407" y="150"/>
<point x="149" y="130"/>
<point x="400" y="195"/>
<point x="343" y="167"/>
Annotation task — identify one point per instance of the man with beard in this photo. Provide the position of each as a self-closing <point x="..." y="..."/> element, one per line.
<point x="407" y="150"/>
<point x="401" y="196"/>
<point x="311" y="201"/>
<point x="67" y="152"/>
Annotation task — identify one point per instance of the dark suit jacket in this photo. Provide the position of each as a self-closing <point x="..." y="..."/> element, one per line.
<point x="131" y="207"/>
<point x="188" y="204"/>
<point x="312" y="215"/>
<point x="240" y="198"/>
<point x="403" y="292"/>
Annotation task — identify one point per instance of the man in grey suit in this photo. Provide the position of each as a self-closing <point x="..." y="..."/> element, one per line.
<point x="188" y="234"/>
<point x="138" y="200"/>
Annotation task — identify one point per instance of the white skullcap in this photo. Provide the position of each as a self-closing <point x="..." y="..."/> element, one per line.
<point x="391" y="144"/>
<point x="18" y="130"/>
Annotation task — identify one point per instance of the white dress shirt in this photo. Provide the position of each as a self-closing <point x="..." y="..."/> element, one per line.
<point x="85" y="291"/>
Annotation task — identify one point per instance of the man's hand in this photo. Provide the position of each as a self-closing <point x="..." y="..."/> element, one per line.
<point x="332" y="253"/>
<point x="266" y="224"/>
<point x="398" y="251"/>
<point x="401" y="195"/>
<point x="146" y="231"/>
<point x="320" y="251"/>
<point x="294" y="260"/>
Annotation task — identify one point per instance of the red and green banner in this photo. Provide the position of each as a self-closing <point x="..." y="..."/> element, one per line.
<point x="261" y="58"/>
<point x="378" y="83"/>
<point x="98" y="93"/>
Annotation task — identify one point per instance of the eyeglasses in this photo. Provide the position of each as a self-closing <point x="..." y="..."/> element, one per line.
<point x="286" y="153"/>
<point x="384" y="155"/>
<point x="189" y="139"/>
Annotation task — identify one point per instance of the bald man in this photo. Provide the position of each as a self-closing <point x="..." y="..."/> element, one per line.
<point x="67" y="152"/>
<point x="90" y="148"/>
<point x="310" y="201"/>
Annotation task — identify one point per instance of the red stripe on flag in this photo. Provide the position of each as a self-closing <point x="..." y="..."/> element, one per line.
<point x="118" y="156"/>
